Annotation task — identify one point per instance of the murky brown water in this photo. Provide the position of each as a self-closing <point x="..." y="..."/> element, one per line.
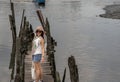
<point x="79" y="31"/>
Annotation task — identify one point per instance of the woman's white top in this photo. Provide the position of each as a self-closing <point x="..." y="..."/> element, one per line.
<point x="37" y="46"/>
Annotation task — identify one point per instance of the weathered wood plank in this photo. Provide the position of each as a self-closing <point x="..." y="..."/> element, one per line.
<point x="47" y="78"/>
<point x="46" y="68"/>
<point x="28" y="77"/>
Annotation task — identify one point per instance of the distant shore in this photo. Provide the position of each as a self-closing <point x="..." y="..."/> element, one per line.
<point x="112" y="11"/>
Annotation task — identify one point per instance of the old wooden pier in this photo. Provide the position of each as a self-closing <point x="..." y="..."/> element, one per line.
<point x="46" y="65"/>
<point x="20" y="62"/>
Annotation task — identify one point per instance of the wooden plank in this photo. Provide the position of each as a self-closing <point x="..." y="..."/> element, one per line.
<point x="27" y="69"/>
<point x="47" y="77"/>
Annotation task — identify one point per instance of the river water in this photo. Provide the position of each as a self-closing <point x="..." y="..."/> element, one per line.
<point x="94" y="41"/>
<point x="79" y="31"/>
<point x="5" y="41"/>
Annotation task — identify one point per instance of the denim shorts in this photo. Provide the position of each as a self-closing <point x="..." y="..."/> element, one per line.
<point x="36" y="58"/>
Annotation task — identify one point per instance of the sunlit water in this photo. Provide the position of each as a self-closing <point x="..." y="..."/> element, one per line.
<point x="79" y="31"/>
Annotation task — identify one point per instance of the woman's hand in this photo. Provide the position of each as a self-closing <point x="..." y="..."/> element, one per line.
<point x="42" y="60"/>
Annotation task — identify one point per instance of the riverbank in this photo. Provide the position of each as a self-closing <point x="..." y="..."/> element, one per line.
<point x="112" y="11"/>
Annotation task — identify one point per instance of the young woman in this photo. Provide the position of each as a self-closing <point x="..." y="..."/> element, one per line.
<point x="38" y="53"/>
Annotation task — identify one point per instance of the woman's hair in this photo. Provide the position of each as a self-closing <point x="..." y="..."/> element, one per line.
<point x="39" y="28"/>
<point x="42" y="34"/>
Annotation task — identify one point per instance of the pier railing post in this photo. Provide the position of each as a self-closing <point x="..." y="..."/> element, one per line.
<point x="13" y="29"/>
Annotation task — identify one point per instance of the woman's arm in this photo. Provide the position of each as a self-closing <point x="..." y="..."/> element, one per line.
<point x="32" y="50"/>
<point x="43" y="48"/>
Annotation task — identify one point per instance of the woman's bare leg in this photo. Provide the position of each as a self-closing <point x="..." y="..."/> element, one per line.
<point x="40" y="69"/>
<point x="37" y="71"/>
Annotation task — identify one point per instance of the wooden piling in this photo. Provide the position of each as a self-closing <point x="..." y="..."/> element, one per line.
<point x="74" y="76"/>
<point x="22" y="22"/>
<point x="41" y="18"/>
<point x="58" y="77"/>
<point x="18" y="61"/>
<point x="12" y="59"/>
<point x="63" y="80"/>
<point x="13" y="29"/>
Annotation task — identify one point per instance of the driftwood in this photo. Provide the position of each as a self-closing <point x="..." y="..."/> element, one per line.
<point x="73" y="69"/>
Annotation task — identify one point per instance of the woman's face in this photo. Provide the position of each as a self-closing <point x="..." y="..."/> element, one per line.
<point x="38" y="32"/>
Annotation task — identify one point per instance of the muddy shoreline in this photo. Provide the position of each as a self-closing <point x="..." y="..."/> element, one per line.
<point x="112" y="11"/>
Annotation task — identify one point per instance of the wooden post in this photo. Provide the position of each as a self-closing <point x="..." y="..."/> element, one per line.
<point x="50" y="50"/>
<point x="12" y="60"/>
<point x="63" y="80"/>
<point x="41" y="18"/>
<point x="22" y="22"/>
<point x="18" y="60"/>
<point x="13" y="13"/>
<point x="74" y="76"/>
<point x="58" y="77"/>
<point x="13" y="29"/>
<point x="31" y="33"/>
<point x="14" y="39"/>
